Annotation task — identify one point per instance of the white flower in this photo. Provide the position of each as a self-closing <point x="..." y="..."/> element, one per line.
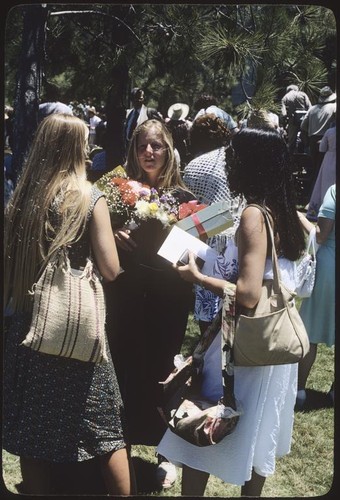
<point x="163" y="217"/>
<point x="142" y="209"/>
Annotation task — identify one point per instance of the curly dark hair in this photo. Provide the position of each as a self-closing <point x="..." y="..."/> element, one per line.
<point x="204" y="101"/>
<point x="207" y="133"/>
<point x="259" y="168"/>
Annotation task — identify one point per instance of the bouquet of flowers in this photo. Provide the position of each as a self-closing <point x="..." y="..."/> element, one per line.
<point x="131" y="202"/>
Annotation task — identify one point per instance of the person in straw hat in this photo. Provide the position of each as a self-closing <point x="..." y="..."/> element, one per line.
<point x="178" y="111"/>
<point x="179" y="126"/>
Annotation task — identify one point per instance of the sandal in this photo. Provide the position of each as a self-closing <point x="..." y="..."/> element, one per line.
<point x="166" y="474"/>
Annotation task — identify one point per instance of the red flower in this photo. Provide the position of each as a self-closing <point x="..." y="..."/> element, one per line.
<point x="129" y="198"/>
<point x="128" y="195"/>
<point x="118" y="180"/>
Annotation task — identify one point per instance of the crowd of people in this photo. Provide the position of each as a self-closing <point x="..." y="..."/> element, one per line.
<point x="60" y="411"/>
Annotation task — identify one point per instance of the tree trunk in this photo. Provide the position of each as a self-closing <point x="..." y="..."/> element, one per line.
<point x="115" y="113"/>
<point x="28" y="83"/>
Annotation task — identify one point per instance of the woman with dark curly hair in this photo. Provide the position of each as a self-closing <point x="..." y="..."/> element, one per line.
<point x="259" y="170"/>
<point x="208" y="104"/>
<point x="207" y="133"/>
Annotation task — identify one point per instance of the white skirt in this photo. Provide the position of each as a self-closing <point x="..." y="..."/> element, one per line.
<point x="267" y="395"/>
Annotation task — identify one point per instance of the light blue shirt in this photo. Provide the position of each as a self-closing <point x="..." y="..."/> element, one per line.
<point x="327" y="210"/>
<point x="220" y="113"/>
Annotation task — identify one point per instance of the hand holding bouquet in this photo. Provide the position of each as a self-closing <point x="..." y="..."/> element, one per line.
<point x="131" y="202"/>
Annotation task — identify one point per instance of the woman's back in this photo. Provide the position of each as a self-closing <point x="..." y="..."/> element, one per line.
<point x="54" y="175"/>
<point x="206" y="177"/>
<point x="51" y="410"/>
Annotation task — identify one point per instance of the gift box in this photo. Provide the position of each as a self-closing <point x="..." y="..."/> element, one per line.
<point x="209" y="221"/>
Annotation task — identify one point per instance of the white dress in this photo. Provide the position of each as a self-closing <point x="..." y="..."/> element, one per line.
<point x="267" y="395"/>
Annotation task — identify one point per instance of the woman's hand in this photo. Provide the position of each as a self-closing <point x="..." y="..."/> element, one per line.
<point x="305" y="223"/>
<point x="124" y="240"/>
<point x="190" y="271"/>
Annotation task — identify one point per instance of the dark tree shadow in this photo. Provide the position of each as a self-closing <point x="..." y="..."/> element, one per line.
<point x="84" y="478"/>
<point x="316" y="400"/>
<point x="77" y="478"/>
<point x="145" y="476"/>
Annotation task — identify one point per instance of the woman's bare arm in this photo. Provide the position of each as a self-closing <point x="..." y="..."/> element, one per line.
<point x="252" y="251"/>
<point x="252" y="248"/>
<point x="322" y="228"/>
<point x="103" y="243"/>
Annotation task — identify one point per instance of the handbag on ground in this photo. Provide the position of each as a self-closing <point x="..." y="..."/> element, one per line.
<point x="189" y="415"/>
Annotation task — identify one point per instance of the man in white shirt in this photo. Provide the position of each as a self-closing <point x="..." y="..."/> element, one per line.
<point x="94" y="120"/>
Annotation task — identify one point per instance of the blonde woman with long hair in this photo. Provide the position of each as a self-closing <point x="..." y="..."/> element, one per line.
<point x="148" y="304"/>
<point x="58" y="411"/>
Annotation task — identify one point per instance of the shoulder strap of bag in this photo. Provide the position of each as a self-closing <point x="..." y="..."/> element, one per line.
<point x="270" y="233"/>
<point x="311" y="245"/>
<point x="207" y="338"/>
<point x="227" y="343"/>
<point x="224" y="321"/>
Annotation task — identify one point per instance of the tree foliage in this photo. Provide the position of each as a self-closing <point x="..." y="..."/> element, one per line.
<point x="177" y="51"/>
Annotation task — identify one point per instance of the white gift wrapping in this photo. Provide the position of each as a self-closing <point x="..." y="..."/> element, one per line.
<point x="209" y="221"/>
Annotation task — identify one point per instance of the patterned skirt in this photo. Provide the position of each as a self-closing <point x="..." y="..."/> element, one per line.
<point x="58" y="409"/>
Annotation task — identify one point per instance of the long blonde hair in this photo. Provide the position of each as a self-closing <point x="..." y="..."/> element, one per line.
<point x="170" y="175"/>
<point x="54" y="175"/>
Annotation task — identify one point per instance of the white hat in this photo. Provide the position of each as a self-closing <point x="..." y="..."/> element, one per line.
<point x="326" y="95"/>
<point x="292" y="87"/>
<point x="178" y="111"/>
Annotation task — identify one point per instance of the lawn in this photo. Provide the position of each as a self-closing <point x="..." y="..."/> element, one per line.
<point x="306" y="472"/>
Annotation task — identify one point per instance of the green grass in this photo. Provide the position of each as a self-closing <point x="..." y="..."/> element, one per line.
<point x="306" y="471"/>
